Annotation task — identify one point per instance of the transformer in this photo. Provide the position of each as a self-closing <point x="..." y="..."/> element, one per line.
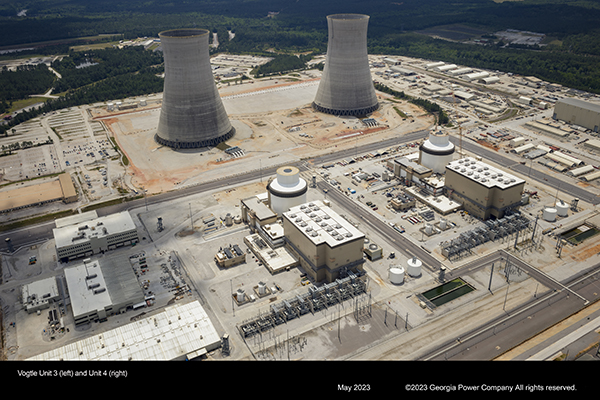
<point x="346" y="87"/>
<point x="192" y="113"/>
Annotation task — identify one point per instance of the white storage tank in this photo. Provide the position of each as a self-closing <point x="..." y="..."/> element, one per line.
<point x="549" y="214"/>
<point x="443" y="223"/>
<point x="240" y="295"/>
<point x="414" y="267"/>
<point x="396" y="274"/>
<point x="262" y="288"/>
<point x="428" y="229"/>
<point x="562" y="208"/>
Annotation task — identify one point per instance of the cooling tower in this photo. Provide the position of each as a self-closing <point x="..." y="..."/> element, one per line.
<point x="192" y="113"/>
<point x="346" y="87"/>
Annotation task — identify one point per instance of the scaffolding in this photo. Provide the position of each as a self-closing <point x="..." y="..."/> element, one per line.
<point x="500" y="229"/>
<point x="317" y="298"/>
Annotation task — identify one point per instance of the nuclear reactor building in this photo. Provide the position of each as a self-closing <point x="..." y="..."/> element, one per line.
<point x="346" y="87"/>
<point x="192" y="113"/>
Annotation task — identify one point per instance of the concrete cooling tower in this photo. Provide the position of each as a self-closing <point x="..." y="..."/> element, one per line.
<point x="192" y="113"/>
<point x="346" y="87"/>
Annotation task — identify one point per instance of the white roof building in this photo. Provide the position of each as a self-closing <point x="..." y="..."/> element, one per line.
<point x="181" y="331"/>
<point x="92" y="236"/>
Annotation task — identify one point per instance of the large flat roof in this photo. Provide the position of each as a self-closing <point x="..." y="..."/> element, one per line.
<point x="321" y="224"/>
<point x="98" y="227"/>
<point x="179" y="330"/>
<point x="483" y="173"/>
<point x="25" y="196"/>
<point x="580" y="103"/>
<point x="85" y="282"/>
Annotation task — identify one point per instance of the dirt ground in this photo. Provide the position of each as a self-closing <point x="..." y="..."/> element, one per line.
<point x="267" y="138"/>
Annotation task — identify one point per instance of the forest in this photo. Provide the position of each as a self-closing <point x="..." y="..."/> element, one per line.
<point x="284" y="28"/>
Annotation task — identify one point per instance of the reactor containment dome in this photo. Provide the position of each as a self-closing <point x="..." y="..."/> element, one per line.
<point x="287" y="190"/>
<point x="346" y="86"/>
<point x="192" y="113"/>
<point x="436" y="152"/>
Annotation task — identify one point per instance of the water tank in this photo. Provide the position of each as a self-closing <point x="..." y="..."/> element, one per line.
<point x="240" y="295"/>
<point x="562" y="208"/>
<point x="428" y="229"/>
<point x="228" y="220"/>
<point x="396" y="274"/>
<point x="443" y="223"/>
<point x="414" y="267"/>
<point x="549" y="214"/>
<point x="262" y="288"/>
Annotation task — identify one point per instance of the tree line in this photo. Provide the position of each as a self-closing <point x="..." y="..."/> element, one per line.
<point x="430" y="107"/>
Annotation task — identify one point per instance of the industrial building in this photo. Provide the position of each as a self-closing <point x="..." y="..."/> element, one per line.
<point x="84" y="236"/>
<point x="485" y="191"/>
<point x="192" y="114"/>
<point x="436" y="152"/>
<point x="346" y="86"/>
<point x="98" y="289"/>
<point x="327" y="245"/>
<point x="39" y="295"/>
<point x="286" y="190"/>
<point x="230" y="256"/>
<point x="256" y="212"/>
<point x="579" y="112"/>
<point x="410" y="171"/>
<point x="38" y="194"/>
<point x="180" y="332"/>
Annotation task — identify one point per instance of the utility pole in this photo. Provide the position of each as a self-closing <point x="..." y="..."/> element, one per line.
<point x="490" y="284"/>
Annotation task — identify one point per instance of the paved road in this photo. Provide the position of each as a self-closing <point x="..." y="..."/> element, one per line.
<point x="401" y="243"/>
<point x="505" y="332"/>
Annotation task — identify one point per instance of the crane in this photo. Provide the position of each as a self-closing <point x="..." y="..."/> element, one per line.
<point x="460" y="151"/>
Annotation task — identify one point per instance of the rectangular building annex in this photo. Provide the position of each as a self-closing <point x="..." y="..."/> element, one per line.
<point x="94" y="236"/>
<point x="485" y="191"/>
<point x="180" y="332"/>
<point x="98" y="289"/>
<point x="579" y="112"/>
<point x="38" y="194"/>
<point x="325" y="242"/>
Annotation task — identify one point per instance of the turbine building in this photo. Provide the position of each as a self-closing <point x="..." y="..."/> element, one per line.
<point x="346" y="87"/>
<point x="192" y="113"/>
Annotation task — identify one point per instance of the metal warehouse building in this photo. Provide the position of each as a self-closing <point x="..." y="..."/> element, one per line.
<point x="574" y="111"/>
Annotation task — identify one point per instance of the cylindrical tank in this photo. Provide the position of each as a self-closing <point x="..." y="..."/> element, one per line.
<point x="192" y="113"/>
<point x="562" y="209"/>
<point x="143" y="103"/>
<point x="428" y="229"/>
<point x="240" y="295"/>
<point x="262" y="288"/>
<point x="346" y="86"/>
<point x="443" y="223"/>
<point x="286" y="190"/>
<point x="549" y="214"/>
<point x="237" y="220"/>
<point x="414" y="267"/>
<point x="228" y="220"/>
<point x="396" y="274"/>
<point x="436" y="152"/>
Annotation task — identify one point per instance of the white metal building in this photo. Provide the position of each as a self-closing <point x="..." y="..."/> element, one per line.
<point x="578" y="112"/>
<point x="93" y="236"/>
<point x="180" y="332"/>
